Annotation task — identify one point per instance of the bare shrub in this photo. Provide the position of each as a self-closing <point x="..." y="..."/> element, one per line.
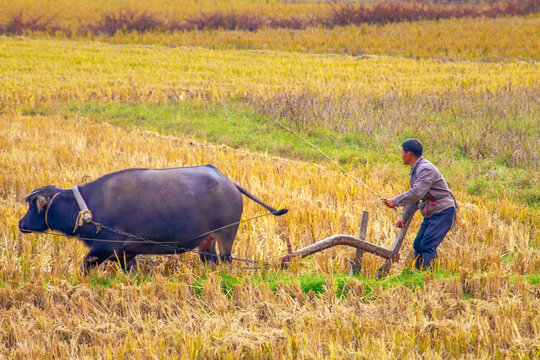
<point x="125" y="20"/>
<point x="342" y="14"/>
<point x="399" y="11"/>
<point x="293" y="22"/>
<point x="219" y="20"/>
<point x="20" y="23"/>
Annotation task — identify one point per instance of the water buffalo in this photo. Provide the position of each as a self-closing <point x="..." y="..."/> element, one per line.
<point x="172" y="207"/>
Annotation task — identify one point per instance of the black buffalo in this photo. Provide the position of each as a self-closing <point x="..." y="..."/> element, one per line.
<point x="177" y="209"/>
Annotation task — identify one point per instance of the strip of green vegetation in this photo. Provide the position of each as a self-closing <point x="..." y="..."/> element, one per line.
<point x="236" y="125"/>
<point x="2" y="284"/>
<point x="106" y="280"/>
<point x="311" y="283"/>
<point x="239" y="125"/>
<point x="317" y="283"/>
<point x="227" y="283"/>
<point x="507" y="258"/>
<point x="533" y="279"/>
<point x="111" y="279"/>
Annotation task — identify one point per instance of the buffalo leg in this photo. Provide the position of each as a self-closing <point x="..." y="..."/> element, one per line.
<point x="225" y="248"/>
<point x="208" y="249"/>
<point x="94" y="257"/>
<point x="128" y="262"/>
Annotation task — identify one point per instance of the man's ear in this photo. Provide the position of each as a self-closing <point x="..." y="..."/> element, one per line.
<point x="41" y="202"/>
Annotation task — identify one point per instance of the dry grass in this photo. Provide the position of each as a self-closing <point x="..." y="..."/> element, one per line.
<point x="50" y="311"/>
<point x="416" y="29"/>
<point x="453" y="39"/>
<point x="71" y="14"/>
<point x="372" y="95"/>
<point x="41" y="72"/>
<point x="481" y="302"/>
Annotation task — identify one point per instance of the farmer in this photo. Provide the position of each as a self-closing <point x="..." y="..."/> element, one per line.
<point x="429" y="193"/>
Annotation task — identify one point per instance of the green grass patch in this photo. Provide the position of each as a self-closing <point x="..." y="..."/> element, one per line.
<point x="228" y="283"/>
<point x="197" y="286"/>
<point x="408" y="277"/>
<point x="111" y="279"/>
<point x="533" y="279"/>
<point x="106" y="280"/>
<point x="316" y="282"/>
<point x="236" y="125"/>
<point x="507" y="258"/>
<point x="310" y="282"/>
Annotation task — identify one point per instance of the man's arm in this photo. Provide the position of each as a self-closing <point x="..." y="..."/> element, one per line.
<point x="405" y="214"/>
<point x="409" y="210"/>
<point x="410" y="199"/>
<point x="419" y="189"/>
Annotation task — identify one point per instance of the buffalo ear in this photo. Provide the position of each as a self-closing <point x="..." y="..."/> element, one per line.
<point x="41" y="202"/>
<point x="31" y="196"/>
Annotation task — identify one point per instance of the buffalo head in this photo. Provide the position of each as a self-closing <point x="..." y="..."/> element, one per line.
<point x="38" y="201"/>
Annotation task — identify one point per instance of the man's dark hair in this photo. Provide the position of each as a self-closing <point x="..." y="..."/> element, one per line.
<point x="414" y="146"/>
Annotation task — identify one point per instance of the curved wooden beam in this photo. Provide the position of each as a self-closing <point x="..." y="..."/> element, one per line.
<point x="340" y="240"/>
<point x="359" y="243"/>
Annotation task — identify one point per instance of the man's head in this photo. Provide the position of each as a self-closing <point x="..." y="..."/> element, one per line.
<point x="412" y="150"/>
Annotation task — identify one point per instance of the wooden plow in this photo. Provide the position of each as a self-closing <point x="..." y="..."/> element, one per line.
<point x="390" y="255"/>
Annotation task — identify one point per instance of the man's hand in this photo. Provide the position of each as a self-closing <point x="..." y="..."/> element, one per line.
<point x="390" y="203"/>
<point x="401" y="223"/>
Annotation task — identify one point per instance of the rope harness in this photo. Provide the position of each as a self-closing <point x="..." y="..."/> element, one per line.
<point x="47" y="211"/>
<point x="380" y="199"/>
<point x="84" y="216"/>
